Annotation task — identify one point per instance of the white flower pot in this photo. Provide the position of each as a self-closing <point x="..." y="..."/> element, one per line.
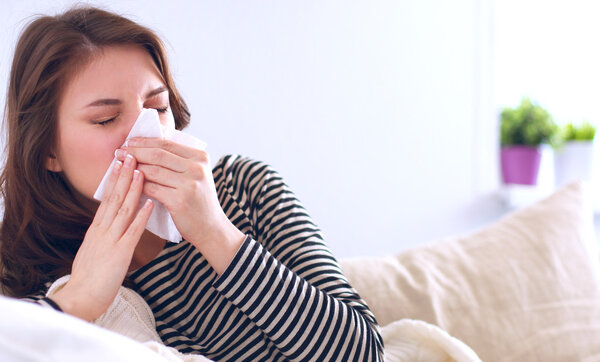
<point x="574" y="161"/>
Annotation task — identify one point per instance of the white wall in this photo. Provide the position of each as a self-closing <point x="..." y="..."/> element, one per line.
<point x="377" y="113"/>
<point x="548" y="50"/>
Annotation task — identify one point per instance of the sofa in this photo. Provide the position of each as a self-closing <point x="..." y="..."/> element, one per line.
<point x="525" y="288"/>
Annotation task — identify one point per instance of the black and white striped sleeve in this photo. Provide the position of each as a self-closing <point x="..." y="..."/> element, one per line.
<point x="286" y="280"/>
<point x="41" y="299"/>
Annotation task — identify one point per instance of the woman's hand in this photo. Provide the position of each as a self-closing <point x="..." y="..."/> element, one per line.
<point x="105" y="254"/>
<point x="180" y="177"/>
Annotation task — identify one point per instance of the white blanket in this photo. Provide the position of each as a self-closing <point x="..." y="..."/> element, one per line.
<point x="413" y="340"/>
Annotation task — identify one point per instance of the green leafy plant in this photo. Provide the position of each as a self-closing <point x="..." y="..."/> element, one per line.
<point x="528" y="125"/>
<point x="582" y="132"/>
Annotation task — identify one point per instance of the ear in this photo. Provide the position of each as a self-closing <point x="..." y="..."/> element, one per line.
<point x="52" y="164"/>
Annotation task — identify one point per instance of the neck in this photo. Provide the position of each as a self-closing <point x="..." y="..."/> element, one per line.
<point x="146" y="250"/>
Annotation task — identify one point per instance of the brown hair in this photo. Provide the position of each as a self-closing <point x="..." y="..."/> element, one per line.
<point x="43" y="223"/>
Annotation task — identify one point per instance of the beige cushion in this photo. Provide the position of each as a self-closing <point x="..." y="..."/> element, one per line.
<point x="526" y="288"/>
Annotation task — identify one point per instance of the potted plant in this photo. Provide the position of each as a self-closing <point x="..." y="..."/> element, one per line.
<point x="574" y="158"/>
<point x="522" y="131"/>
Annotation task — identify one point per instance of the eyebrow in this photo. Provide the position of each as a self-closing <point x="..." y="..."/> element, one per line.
<point x="113" y="101"/>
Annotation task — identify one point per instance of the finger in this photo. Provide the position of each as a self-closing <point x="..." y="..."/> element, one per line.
<point x="163" y="194"/>
<point x="158" y="157"/>
<point x="161" y="175"/>
<point x="118" y="193"/>
<point x="165" y="144"/>
<point x="137" y="227"/>
<point x="110" y="184"/>
<point x="127" y="210"/>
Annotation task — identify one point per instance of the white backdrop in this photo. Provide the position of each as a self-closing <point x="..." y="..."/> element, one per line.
<point x="377" y="113"/>
<point x="547" y="50"/>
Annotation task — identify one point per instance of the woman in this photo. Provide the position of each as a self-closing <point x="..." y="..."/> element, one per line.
<point x="252" y="279"/>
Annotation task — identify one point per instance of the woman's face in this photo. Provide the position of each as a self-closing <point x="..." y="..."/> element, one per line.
<point x="97" y="109"/>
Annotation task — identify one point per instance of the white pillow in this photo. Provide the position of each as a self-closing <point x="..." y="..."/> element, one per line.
<point x="526" y="288"/>
<point x="29" y="332"/>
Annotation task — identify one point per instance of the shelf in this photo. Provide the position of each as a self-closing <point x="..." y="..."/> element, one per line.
<point x="518" y="196"/>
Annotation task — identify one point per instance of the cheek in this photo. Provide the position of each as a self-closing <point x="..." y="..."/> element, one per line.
<point x="86" y="158"/>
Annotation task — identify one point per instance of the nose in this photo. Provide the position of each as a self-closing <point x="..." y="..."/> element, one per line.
<point x="129" y="119"/>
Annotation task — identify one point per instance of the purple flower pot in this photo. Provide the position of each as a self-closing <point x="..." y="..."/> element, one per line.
<point x="520" y="164"/>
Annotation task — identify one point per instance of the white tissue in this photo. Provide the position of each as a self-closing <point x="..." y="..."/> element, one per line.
<point x="148" y="125"/>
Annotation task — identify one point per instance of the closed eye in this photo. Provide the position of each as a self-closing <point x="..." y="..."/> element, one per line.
<point x="104" y="123"/>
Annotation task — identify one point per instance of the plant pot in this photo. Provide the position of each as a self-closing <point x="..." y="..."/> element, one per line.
<point x="574" y="161"/>
<point x="520" y="164"/>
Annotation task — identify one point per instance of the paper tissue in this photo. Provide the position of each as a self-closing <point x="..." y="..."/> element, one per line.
<point x="148" y="125"/>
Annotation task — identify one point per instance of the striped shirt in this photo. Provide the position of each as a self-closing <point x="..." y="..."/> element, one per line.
<point x="283" y="296"/>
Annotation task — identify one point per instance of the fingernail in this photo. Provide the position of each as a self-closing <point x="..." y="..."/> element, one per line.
<point x="148" y="203"/>
<point x="129" y="160"/>
<point x="136" y="175"/>
<point x="117" y="166"/>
